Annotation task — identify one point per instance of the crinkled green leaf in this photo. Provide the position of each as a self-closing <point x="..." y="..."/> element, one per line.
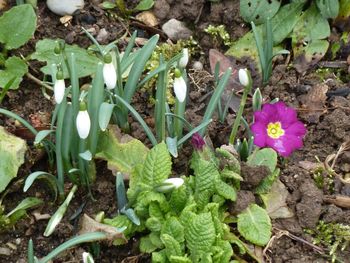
<point x="12" y="150"/>
<point x="122" y="153"/>
<point x="223" y="253"/>
<point x="266" y="156"/>
<point x="258" y="11"/>
<point x="86" y="63"/>
<point x="17" y="26"/>
<point x="172" y="246"/>
<point x="177" y="259"/>
<point x="266" y="183"/>
<point x="153" y="224"/>
<point x="225" y="190"/>
<point x="178" y="199"/>
<point x="254" y="225"/>
<point x="155" y="239"/>
<point x="159" y="257"/>
<point x="174" y="228"/>
<point x="123" y="221"/>
<point x="157" y="166"/>
<point x="14" y="68"/>
<point x="205" y="176"/>
<point x="200" y="235"/>
<point x="146" y="245"/>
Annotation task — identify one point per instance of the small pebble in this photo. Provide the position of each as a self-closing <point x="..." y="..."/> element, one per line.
<point x="102" y="36"/>
<point x="197" y="65"/>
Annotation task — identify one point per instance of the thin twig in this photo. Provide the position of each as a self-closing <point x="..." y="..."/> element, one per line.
<point x="38" y="81"/>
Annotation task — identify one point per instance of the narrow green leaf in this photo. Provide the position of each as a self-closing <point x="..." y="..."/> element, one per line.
<point x="42" y="135"/>
<point x="51" y="180"/>
<point x="105" y="114"/>
<point x="25" y="204"/>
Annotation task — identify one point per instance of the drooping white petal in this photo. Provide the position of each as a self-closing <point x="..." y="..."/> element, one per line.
<point x="180" y="88"/>
<point x="109" y="75"/>
<point x="169" y="184"/>
<point x="184" y="59"/>
<point x="243" y="77"/>
<point x="59" y="89"/>
<point x="64" y="7"/>
<point x="83" y="124"/>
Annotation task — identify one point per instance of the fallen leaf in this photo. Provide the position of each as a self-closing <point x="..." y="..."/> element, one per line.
<point x="89" y="225"/>
<point x="148" y="18"/>
<point x="3" y="4"/>
<point x="275" y="201"/>
<point x="313" y="103"/>
<point x="310" y="166"/>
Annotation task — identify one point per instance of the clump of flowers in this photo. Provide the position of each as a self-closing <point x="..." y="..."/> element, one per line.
<point x="277" y="126"/>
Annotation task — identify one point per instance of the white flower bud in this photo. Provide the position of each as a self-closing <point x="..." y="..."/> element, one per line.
<point x="243" y="77"/>
<point x="184" y="59"/>
<point x="109" y="75"/>
<point x="83" y="124"/>
<point x="170" y="184"/>
<point x="87" y="258"/>
<point x="59" y="89"/>
<point x="180" y="88"/>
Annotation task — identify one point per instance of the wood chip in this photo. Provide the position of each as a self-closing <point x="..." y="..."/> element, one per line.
<point x="338" y="200"/>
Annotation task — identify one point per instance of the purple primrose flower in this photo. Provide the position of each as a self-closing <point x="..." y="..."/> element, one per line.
<point x="197" y="141"/>
<point x="278" y="127"/>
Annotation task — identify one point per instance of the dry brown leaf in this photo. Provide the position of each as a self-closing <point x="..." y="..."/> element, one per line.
<point x="338" y="200"/>
<point x="3" y="4"/>
<point x="89" y="225"/>
<point x="148" y="18"/>
<point x="313" y="103"/>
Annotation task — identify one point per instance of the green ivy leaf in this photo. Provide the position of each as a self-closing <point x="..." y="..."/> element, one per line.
<point x="157" y="166"/>
<point x="258" y="11"/>
<point x="12" y="150"/>
<point x="254" y="224"/>
<point x="17" y="26"/>
<point x="266" y="156"/>
<point x="14" y="68"/>
<point x="200" y="235"/>
<point x="86" y="63"/>
<point x="122" y="153"/>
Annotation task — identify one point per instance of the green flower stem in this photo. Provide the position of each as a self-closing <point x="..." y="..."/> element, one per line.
<point x="178" y="123"/>
<point x="240" y="113"/>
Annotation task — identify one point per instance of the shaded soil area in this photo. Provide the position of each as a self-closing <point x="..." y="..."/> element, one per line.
<point x="322" y="101"/>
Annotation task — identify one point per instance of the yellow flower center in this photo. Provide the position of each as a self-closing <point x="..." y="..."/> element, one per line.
<point x="274" y="130"/>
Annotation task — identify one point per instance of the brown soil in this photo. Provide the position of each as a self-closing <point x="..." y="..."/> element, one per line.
<point x="328" y="126"/>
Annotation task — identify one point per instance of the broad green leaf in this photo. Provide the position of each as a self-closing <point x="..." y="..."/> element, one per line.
<point x="172" y="246"/>
<point x="344" y="10"/>
<point x="177" y="259"/>
<point x="310" y="26"/>
<point x="284" y="21"/>
<point x="122" y="153"/>
<point x="153" y="224"/>
<point x="144" y="5"/>
<point x="258" y="11"/>
<point x="17" y="26"/>
<point x="254" y="225"/>
<point x="266" y="156"/>
<point x="224" y="252"/>
<point x="157" y="166"/>
<point x="178" y="199"/>
<point x="14" y="68"/>
<point x="200" y="235"/>
<point x="12" y="150"/>
<point x="206" y="174"/>
<point x="266" y="183"/>
<point x="328" y="8"/>
<point x="86" y="63"/>
<point x="155" y="239"/>
<point x="245" y="47"/>
<point x="159" y="257"/>
<point x="123" y="221"/>
<point x="25" y="204"/>
<point x="108" y="5"/>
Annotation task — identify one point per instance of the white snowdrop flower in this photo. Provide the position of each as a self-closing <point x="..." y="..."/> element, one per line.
<point x="109" y="72"/>
<point x="170" y="184"/>
<point x="87" y="258"/>
<point x="243" y="77"/>
<point x="59" y="88"/>
<point x="64" y="7"/>
<point x="83" y="122"/>
<point x="184" y="59"/>
<point x="180" y="87"/>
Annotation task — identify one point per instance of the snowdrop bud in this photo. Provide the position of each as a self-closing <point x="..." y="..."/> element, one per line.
<point x="180" y="87"/>
<point x="243" y="76"/>
<point x="87" y="258"/>
<point x="109" y="72"/>
<point x="184" y="59"/>
<point x="83" y="121"/>
<point x="170" y="184"/>
<point x="59" y="87"/>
